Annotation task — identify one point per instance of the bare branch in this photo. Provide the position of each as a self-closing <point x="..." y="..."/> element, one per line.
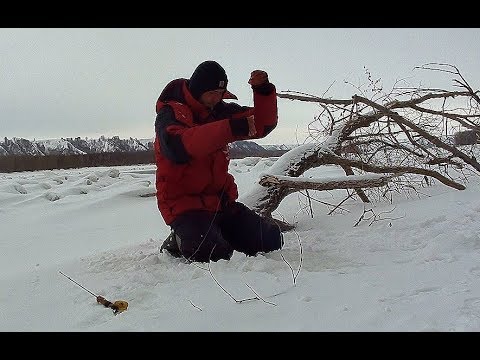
<point x="404" y="136"/>
<point x="349" y="182"/>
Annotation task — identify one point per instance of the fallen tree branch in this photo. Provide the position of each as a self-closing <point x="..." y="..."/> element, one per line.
<point x="347" y="182"/>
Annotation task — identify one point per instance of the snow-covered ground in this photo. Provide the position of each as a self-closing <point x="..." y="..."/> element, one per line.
<point x="415" y="266"/>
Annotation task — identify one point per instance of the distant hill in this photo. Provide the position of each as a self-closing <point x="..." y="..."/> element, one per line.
<point x="72" y="146"/>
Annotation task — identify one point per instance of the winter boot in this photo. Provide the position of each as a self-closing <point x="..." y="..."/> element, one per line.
<point x="171" y="245"/>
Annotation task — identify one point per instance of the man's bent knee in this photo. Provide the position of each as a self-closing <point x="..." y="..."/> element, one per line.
<point x="207" y="252"/>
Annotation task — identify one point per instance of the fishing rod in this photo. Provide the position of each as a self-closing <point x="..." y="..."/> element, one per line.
<point x="117" y="306"/>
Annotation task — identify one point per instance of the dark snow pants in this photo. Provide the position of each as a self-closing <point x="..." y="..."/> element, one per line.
<point x="205" y="236"/>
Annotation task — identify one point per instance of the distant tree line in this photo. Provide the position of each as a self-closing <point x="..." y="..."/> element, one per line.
<point x="14" y="163"/>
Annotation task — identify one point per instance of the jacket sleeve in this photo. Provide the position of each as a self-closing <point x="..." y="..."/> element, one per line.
<point x="265" y="109"/>
<point x="265" y="112"/>
<point x="170" y="143"/>
<point x="205" y="139"/>
<point x="180" y="143"/>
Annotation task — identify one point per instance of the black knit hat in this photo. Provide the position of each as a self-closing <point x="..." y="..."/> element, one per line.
<point x="209" y="75"/>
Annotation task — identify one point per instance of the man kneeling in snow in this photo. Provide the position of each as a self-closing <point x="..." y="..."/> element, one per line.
<point x="196" y="195"/>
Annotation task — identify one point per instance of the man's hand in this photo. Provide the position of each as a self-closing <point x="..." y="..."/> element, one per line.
<point x="258" y="77"/>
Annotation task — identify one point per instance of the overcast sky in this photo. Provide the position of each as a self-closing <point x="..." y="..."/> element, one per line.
<point x="88" y="82"/>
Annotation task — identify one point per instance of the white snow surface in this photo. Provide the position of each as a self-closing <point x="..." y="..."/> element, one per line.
<point x="410" y="266"/>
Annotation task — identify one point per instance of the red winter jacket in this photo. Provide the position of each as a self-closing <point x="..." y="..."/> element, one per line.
<point x="191" y="149"/>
